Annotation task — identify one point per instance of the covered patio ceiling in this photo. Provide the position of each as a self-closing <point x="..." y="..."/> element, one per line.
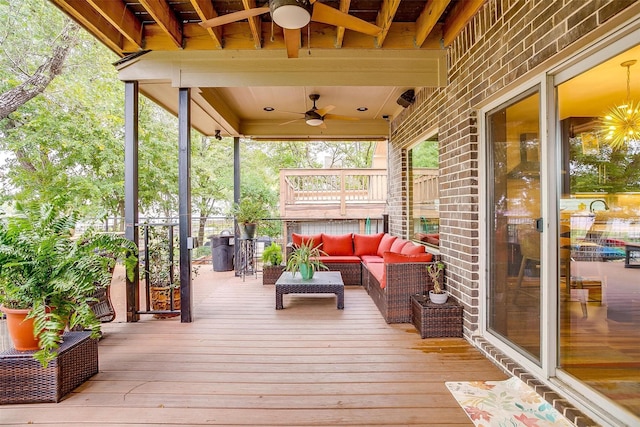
<point x="241" y="69"/>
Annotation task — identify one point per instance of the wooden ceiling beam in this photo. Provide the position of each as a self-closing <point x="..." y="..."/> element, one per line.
<point x="255" y="23"/>
<point x="164" y="17"/>
<point x="428" y="19"/>
<point x="385" y="18"/>
<point x="204" y="9"/>
<point x="458" y="19"/>
<point x="292" y="42"/>
<point x="116" y="12"/>
<point x="345" y="5"/>
<point x="89" y="18"/>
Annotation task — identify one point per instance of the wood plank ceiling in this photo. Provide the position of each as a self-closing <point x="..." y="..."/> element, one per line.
<point x="241" y="69"/>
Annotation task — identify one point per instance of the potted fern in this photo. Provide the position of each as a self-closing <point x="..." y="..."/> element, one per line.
<point x="306" y="259"/>
<point x="49" y="277"/>
<point x="271" y="264"/>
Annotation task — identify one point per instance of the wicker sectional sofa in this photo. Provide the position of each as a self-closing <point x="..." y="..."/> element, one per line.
<point x="390" y="269"/>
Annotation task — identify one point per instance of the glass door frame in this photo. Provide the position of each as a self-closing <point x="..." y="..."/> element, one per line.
<point x="548" y="306"/>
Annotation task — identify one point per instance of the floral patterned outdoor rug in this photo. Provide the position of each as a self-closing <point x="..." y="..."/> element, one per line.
<point x="509" y="403"/>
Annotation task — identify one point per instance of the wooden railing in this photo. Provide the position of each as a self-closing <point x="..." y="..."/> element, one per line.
<point x="425" y="185"/>
<point x="332" y="193"/>
<point x="350" y="193"/>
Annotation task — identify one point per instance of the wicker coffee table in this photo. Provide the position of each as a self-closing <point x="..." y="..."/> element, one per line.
<point x="323" y="282"/>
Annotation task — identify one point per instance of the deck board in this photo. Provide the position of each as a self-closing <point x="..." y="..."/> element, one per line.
<point x="241" y="362"/>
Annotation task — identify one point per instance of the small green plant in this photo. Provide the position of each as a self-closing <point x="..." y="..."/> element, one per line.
<point x="306" y="255"/>
<point x="272" y="255"/>
<point x="435" y="272"/>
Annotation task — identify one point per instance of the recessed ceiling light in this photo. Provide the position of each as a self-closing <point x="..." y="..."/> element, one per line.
<point x="269" y="109"/>
<point x="362" y="109"/>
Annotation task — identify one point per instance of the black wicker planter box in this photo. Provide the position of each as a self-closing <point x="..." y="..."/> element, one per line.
<point x="436" y="320"/>
<point x="24" y="380"/>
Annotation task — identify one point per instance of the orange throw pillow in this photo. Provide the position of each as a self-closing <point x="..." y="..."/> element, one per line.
<point x="366" y="244"/>
<point x="299" y="239"/>
<point x="398" y="245"/>
<point x="337" y="245"/>
<point x="411" y="249"/>
<point x="385" y="244"/>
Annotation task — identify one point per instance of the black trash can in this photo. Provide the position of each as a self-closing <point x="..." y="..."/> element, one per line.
<point x="222" y="253"/>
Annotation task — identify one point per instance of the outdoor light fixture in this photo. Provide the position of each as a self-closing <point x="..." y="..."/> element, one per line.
<point x="407" y="98"/>
<point x="217" y="135"/>
<point x="313" y="119"/>
<point x="291" y="14"/>
<point x="621" y="123"/>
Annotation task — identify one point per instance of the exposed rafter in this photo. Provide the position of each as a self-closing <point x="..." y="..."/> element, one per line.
<point x="165" y="19"/>
<point x="385" y="18"/>
<point x="116" y="12"/>
<point x="205" y="10"/>
<point x="428" y="19"/>
<point x="458" y="19"/>
<point x="255" y="24"/>
<point x="344" y="7"/>
<point x="84" y="14"/>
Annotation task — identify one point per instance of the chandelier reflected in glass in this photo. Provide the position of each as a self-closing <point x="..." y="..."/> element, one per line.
<point x="621" y="123"/>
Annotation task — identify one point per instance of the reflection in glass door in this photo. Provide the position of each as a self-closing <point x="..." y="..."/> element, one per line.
<point x="514" y="213"/>
<point x="599" y="235"/>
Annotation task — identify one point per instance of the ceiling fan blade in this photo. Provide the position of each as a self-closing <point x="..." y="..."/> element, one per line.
<point x="329" y="15"/>
<point x="291" y="121"/>
<point x="233" y="17"/>
<point x="323" y="126"/>
<point x="292" y="42"/>
<point x="325" y="110"/>
<point x="337" y="117"/>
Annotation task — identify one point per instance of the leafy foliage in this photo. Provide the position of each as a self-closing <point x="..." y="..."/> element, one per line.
<point x="45" y="268"/>
<point x="306" y="254"/>
<point x="272" y="254"/>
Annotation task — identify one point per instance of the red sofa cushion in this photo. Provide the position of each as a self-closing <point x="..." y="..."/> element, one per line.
<point x="411" y="249"/>
<point x="337" y="245"/>
<point x="394" y="258"/>
<point x="397" y="246"/>
<point x="299" y="239"/>
<point x="366" y="244"/>
<point x="385" y="244"/>
<point x="377" y="270"/>
<point x="368" y="259"/>
<point x="339" y="258"/>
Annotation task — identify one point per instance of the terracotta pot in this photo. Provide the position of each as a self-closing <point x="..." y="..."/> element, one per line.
<point x="20" y="329"/>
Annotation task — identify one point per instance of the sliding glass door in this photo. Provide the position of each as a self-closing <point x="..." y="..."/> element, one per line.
<point x="514" y="217"/>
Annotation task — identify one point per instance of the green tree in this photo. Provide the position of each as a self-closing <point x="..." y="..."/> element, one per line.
<point x="425" y="154"/>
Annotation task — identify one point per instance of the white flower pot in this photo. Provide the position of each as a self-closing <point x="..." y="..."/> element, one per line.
<point x="438" y="298"/>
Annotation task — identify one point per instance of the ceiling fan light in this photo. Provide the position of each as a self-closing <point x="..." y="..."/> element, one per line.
<point x="314" y="122"/>
<point x="291" y="14"/>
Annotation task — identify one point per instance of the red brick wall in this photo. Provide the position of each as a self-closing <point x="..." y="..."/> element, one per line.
<point x="505" y="43"/>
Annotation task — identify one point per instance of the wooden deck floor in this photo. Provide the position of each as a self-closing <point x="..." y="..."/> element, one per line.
<point x="241" y="362"/>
